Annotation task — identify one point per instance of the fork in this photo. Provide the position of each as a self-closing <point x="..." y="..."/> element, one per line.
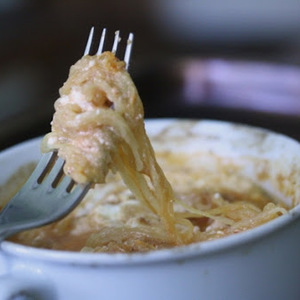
<point x="49" y="194"/>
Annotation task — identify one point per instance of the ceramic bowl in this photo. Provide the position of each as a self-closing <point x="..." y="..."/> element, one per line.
<point x="261" y="263"/>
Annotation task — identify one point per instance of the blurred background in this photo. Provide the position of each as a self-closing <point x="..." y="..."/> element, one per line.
<point x="234" y="60"/>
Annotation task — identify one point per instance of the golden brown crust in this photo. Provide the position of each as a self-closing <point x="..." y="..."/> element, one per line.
<point x="98" y="92"/>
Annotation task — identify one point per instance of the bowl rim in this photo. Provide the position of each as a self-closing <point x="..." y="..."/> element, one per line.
<point x="180" y="253"/>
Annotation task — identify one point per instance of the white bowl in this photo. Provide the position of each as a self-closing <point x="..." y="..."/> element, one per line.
<point x="262" y="263"/>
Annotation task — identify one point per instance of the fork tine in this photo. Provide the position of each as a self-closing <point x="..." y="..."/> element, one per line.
<point x="80" y="190"/>
<point x="55" y="173"/>
<point x="89" y="42"/>
<point x="128" y="49"/>
<point x="65" y="185"/>
<point x="101" y="44"/>
<point x="116" y="42"/>
<point x="41" y="169"/>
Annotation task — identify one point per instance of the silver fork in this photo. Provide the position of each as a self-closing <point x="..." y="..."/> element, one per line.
<point x="49" y="194"/>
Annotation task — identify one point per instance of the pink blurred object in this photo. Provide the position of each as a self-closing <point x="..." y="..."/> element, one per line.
<point x="251" y="86"/>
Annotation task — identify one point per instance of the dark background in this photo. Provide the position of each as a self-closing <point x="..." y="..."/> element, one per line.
<point x="232" y="60"/>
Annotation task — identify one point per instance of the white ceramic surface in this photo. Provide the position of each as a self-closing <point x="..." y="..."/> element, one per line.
<point x="262" y="263"/>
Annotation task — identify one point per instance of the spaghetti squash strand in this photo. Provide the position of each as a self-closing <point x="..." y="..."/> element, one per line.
<point x="98" y="126"/>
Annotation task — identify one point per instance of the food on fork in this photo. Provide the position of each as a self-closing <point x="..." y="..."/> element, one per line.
<point x="98" y="128"/>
